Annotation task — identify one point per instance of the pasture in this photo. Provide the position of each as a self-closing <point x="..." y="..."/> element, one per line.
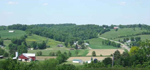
<point x="104" y="52"/>
<point x="121" y="32"/>
<point x="96" y="43"/>
<point x="5" y="34"/>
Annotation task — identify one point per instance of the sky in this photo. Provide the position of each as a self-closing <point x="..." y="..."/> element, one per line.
<point x="99" y="12"/>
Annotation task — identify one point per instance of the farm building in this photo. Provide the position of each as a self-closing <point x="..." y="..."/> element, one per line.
<point x="116" y="27"/>
<point x="86" y="44"/>
<point x="88" y="61"/>
<point x="77" y="61"/>
<point x="11" y="31"/>
<point x="59" y="45"/>
<point x="27" y="57"/>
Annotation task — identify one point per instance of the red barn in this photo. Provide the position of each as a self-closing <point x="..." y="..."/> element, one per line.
<point x="27" y="57"/>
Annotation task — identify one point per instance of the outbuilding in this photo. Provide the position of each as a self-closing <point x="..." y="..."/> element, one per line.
<point x="77" y="61"/>
<point x="11" y="31"/>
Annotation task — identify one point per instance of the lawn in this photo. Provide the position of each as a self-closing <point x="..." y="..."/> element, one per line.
<point x="5" y="34"/>
<point x="96" y="43"/>
<point x="39" y="39"/>
<point x="121" y="32"/>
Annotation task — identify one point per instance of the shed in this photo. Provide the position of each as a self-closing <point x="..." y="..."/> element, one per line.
<point x="77" y="61"/>
<point x="59" y="45"/>
<point x="11" y="31"/>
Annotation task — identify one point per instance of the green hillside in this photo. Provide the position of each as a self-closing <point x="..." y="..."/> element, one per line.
<point x="39" y="39"/>
<point x="5" y="34"/>
<point x="96" y="43"/>
<point x="143" y="37"/>
<point x="121" y="32"/>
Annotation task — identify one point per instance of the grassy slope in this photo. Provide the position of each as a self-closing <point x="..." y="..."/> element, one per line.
<point x="143" y="37"/>
<point x="39" y="39"/>
<point x="121" y="32"/>
<point x="96" y="43"/>
<point x="5" y="34"/>
<point x="53" y="46"/>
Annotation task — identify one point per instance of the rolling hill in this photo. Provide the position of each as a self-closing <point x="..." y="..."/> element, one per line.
<point x="96" y="43"/>
<point x="121" y="32"/>
<point x="5" y="34"/>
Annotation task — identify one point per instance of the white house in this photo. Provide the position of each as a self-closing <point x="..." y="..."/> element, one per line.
<point x="86" y="44"/>
<point x="11" y="31"/>
<point x="77" y="61"/>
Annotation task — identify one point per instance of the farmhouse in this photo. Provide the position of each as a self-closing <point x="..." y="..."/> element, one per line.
<point x="27" y="57"/>
<point x="77" y="61"/>
<point x="116" y="27"/>
<point x="59" y="45"/>
<point x="11" y="31"/>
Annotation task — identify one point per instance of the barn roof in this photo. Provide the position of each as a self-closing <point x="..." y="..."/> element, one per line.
<point x="29" y="54"/>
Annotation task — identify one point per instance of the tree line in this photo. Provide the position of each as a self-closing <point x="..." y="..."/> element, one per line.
<point x="108" y="42"/>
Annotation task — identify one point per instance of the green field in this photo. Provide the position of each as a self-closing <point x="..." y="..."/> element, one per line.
<point x="5" y="34"/>
<point x="143" y="37"/>
<point x="46" y="52"/>
<point x="121" y="32"/>
<point x="96" y="43"/>
<point x="39" y="39"/>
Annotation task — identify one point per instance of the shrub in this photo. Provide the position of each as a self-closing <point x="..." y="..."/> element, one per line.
<point x="39" y="53"/>
<point x="93" y="53"/>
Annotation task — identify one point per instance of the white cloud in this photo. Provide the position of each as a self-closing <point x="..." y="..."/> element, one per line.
<point x="45" y="4"/>
<point x="12" y="3"/>
<point x="122" y="3"/>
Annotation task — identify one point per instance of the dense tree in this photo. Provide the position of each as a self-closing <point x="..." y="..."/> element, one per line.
<point x="93" y="53"/>
<point x="58" y="52"/>
<point x="76" y="52"/>
<point x="12" y="49"/>
<point x="69" y="54"/>
<point x="107" y="61"/>
<point x="1" y="42"/>
<point x="22" y="49"/>
<point x="66" y="67"/>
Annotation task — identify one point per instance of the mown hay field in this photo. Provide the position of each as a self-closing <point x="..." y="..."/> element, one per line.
<point x="105" y="52"/>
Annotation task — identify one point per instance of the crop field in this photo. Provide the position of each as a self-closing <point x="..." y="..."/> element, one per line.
<point x="121" y="32"/>
<point x="104" y="52"/>
<point x="39" y="39"/>
<point x="5" y="34"/>
<point x="96" y="43"/>
<point x="44" y="57"/>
